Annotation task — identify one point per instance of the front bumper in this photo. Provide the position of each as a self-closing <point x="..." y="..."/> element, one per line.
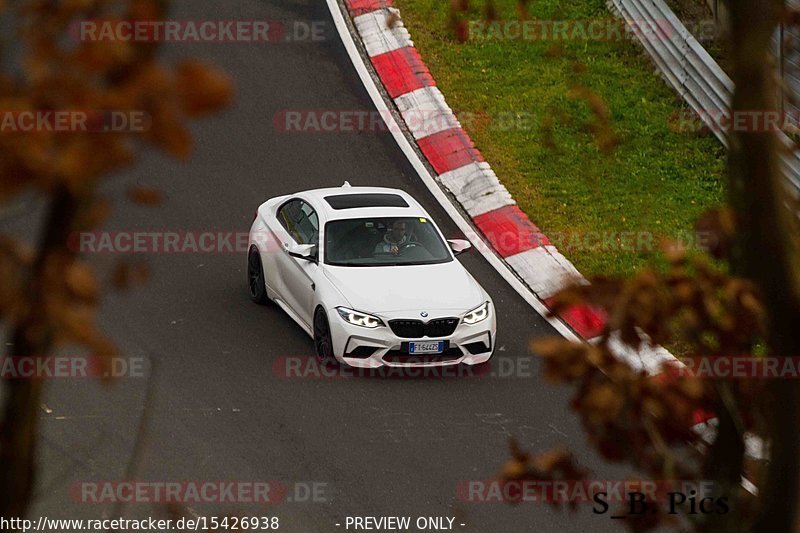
<point x="361" y="347"/>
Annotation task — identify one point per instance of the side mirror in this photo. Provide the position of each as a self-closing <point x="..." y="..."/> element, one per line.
<point x="303" y="251"/>
<point x="459" y="246"/>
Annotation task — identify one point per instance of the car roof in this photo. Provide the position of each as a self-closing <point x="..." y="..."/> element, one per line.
<point x="317" y="198"/>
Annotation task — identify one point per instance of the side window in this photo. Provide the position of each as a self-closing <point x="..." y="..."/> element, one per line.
<point x="308" y="224"/>
<point x="287" y="216"/>
<point x="300" y="221"/>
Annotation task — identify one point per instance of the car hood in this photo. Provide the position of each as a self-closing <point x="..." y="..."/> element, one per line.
<point x="444" y="286"/>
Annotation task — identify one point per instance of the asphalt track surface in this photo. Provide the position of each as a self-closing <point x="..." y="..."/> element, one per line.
<point x="216" y="409"/>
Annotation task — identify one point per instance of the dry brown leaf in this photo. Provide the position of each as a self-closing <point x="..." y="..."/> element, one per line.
<point x="202" y="89"/>
<point x="146" y="196"/>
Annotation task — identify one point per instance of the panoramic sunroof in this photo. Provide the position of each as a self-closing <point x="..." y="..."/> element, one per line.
<point x="352" y="201"/>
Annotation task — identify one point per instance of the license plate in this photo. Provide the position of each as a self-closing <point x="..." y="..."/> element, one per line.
<point x="426" y="347"/>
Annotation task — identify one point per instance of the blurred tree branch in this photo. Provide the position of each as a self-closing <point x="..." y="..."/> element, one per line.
<point x="764" y="249"/>
<point x="49" y="298"/>
<point x="31" y="337"/>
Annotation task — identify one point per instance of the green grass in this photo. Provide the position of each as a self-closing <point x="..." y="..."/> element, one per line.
<point x="655" y="179"/>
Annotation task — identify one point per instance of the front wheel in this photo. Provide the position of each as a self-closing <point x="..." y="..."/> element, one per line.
<point x="255" y="277"/>
<point x="322" y="339"/>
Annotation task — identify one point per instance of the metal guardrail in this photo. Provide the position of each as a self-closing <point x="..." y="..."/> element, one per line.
<point x="688" y="67"/>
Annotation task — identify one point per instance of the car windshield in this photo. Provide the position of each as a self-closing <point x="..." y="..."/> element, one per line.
<point x="384" y="241"/>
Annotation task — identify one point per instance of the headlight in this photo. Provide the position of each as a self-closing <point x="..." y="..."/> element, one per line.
<point x="359" y="319"/>
<point x="477" y="314"/>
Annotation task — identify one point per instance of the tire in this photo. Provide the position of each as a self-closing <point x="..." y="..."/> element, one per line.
<point x="323" y="345"/>
<point x="255" y="278"/>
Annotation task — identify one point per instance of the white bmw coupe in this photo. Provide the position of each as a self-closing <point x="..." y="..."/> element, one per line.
<point x="368" y="275"/>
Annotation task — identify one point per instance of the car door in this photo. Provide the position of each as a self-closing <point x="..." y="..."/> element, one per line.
<point x="274" y="256"/>
<point x="301" y="224"/>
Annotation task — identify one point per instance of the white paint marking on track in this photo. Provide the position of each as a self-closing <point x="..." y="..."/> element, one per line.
<point x="425" y="112"/>
<point x="545" y="270"/>
<point x="477" y="188"/>
<point x="377" y="37"/>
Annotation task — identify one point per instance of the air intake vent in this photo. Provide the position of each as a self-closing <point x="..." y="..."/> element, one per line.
<point x="362" y="352"/>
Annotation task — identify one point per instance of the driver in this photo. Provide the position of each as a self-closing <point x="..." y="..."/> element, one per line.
<point x="394" y="239"/>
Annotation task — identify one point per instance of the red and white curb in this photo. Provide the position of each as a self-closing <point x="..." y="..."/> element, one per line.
<point x="460" y="169"/>
<point x="507" y="238"/>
